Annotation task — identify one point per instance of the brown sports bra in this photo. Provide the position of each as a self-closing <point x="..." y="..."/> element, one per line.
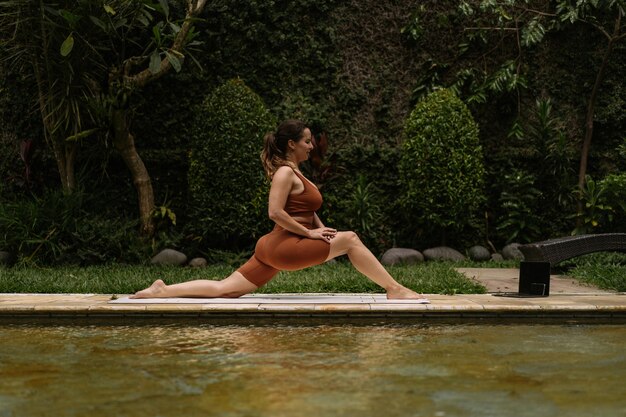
<point x="307" y="202"/>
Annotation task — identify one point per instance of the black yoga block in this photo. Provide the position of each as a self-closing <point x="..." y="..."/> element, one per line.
<point x="534" y="278"/>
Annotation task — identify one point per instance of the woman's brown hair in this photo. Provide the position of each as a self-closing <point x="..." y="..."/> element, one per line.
<point x="274" y="154"/>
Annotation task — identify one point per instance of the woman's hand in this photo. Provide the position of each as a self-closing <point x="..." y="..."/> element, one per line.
<point x="323" y="233"/>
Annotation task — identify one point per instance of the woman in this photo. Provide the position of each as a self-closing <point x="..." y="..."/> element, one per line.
<point x="299" y="238"/>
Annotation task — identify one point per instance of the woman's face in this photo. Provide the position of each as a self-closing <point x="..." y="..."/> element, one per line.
<point x="302" y="148"/>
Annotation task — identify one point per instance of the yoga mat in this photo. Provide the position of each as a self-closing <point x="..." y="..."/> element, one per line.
<point x="274" y="299"/>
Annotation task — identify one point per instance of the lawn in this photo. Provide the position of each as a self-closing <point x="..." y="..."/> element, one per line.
<point x="607" y="271"/>
<point x="604" y="270"/>
<point x="431" y="278"/>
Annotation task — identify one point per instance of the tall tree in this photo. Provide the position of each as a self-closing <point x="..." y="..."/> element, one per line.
<point x="607" y="17"/>
<point x="88" y="58"/>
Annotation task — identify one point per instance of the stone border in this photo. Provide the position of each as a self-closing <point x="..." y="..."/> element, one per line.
<point x="465" y="307"/>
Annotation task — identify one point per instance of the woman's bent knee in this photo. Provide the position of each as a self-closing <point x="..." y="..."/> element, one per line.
<point x="342" y="243"/>
<point x="235" y="286"/>
<point x="352" y="239"/>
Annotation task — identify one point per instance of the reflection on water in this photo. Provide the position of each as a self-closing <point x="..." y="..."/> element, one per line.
<point x="334" y="370"/>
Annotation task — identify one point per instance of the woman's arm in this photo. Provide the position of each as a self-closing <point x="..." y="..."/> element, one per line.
<point x="282" y="183"/>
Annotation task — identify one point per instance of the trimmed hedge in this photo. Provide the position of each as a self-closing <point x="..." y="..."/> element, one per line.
<point x="441" y="167"/>
<point x="227" y="187"/>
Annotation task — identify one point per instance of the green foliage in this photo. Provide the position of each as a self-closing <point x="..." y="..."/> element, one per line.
<point x="597" y="213"/>
<point x="365" y="215"/>
<point x="591" y="11"/>
<point x="363" y="210"/>
<point x="57" y="229"/>
<point x="441" y="168"/>
<point x="622" y="149"/>
<point x="519" y="221"/>
<point x="166" y="234"/>
<point x="604" y="205"/>
<point x="512" y="26"/>
<point x="227" y="187"/>
<point x="284" y="50"/>
<point x="360" y="193"/>
<point x="346" y="67"/>
<point x="558" y="154"/>
<point x="414" y="30"/>
<point x="614" y="189"/>
<point x="66" y="48"/>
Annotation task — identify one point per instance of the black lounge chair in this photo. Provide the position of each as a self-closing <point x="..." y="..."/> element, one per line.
<point x="540" y="257"/>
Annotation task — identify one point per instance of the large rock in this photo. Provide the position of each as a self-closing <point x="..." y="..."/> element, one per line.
<point x="479" y="253"/>
<point x="169" y="257"/>
<point x="401" y="256"/>
<point x="496" y="257"/>
<point x="198" y="263"/>
<point x="443" y="253"/>
<point x="511" y="251"/>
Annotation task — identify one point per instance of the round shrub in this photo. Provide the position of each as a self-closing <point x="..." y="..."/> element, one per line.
<point x="228" y="190"/>
<point x="441" y="167"/>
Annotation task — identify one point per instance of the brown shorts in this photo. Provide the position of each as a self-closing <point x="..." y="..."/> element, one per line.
<point x="281" y="250"/>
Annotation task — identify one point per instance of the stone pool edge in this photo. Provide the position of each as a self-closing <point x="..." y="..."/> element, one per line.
<point x="462" y="307"/>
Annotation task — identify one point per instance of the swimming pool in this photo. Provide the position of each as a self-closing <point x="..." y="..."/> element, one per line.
<point x="312" y="370"/>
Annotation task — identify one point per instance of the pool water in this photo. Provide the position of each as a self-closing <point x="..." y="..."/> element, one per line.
<point x="312" y="370"/>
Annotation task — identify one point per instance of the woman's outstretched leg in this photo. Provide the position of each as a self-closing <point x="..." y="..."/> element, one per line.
<point x="348" y="243"/>
<point x="233" y="286"/>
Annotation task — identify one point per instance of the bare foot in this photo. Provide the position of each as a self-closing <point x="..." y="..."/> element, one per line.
<point x="156" y="290"/>
<point x="403" y="293"/>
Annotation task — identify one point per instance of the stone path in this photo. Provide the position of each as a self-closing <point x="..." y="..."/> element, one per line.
<point x="507" y="280"/>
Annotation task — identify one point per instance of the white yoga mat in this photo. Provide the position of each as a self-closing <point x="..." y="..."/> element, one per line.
<point x="274" y="299"/>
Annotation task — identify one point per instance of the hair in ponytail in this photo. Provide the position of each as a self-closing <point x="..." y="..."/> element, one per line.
<point x="274" y="154"/>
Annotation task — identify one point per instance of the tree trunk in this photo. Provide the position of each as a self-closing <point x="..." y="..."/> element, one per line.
<point x="122" y="138"/>
<point x="125" y="144"/>
<point x="64" y="152"/>
<point x="591" y="105"/>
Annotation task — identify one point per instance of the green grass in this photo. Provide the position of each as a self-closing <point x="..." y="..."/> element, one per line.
<point x="607" y="271"/>
<point x="604" y="270"/>
<point x="430" y="278"/>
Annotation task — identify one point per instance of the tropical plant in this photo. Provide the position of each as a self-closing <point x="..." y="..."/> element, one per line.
<point x="526" y="24"/>
<point x="614" y="189"/>
<point x="88" y="58"/>
<point x="165" y="233"/>
<point x="513" y="27"/>
<point x="555" y="155"/>
<point x="362" y="210"/>
<point x="518" y="221"/>
<point x="596" y="211"/>
<point x="441" y="168"/>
